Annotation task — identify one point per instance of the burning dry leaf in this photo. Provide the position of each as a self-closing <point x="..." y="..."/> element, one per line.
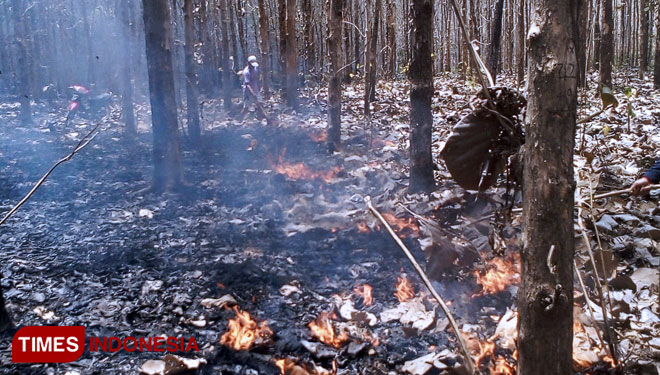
<point x="323" y="330"/>
<point x="404" y="289"/>
<point x="365" y="291"/>
<point x="244" y="332"/>
<point x="501" y="273"/>
<point x="218" y="303"/>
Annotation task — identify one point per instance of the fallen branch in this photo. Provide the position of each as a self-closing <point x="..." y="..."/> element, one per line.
<point x="82" y="144"/>
<point x="468" y="358"/>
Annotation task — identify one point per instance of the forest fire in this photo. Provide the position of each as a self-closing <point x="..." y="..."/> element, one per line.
<point x="365" y="291"/>
<point x="299" y="171"/>
<point x="404" y="289"/>
<point x="501" y="273"/>
<point x="244" y="332"/>
<point x="363" y="228"/>
<point x="323" y="330"/>
<point x="403" y="227"/>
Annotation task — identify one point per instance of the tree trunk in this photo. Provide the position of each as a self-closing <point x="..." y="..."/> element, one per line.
<point x="308" y="32"/>
<point x="644" y="56"/>
<point x="335" y="18"/>
<point x="127" y="84"/>
<point x="291" y="56"/>
<point x="281" y="16"/>
<point x="226" y="66"/>
<point x="371" y="63"/>
<point x="520" y="60"/>
<point x="191" y="77"/>
<point x="168" y="172"/>
<point x="23" y="65"/>
<point x="391" y="37"/>
<point x="597" y="37"/>
<point x="421" y="92"/>
<point x="606" y="45"/>
<point x="656" y="64"/>
<point x="5" y="319"/>
<point x="496" y="34"/>
<point x="582" y="33"/>
<point x="545" y="297"/>
<point x="240" y="23"/>
<point x="263" y="31"/>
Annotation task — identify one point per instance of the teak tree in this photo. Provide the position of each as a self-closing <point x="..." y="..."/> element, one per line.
<point x="545" y="297"/>
<point x="191" y="77"/>
<point x="168" y="172"/>
<point x="421" y="92"/>
<point x="606" y="45"/>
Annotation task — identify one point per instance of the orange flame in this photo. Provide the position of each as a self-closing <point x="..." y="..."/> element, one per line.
<point x="363" y="228"/>
<point x="403" y="227"/>
<point x="502" y="367"/>
<point x="501" y="273"/>
<point x="365" y="291"/>
<point x="404" y="289"/>
<point x="319" y="136"/>
<point x="243" y="331"/>
<point x="323" y="330"/>
<point x="299" y="171"/>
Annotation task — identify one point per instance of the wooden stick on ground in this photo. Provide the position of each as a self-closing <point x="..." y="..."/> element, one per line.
<point x="468" y="358"/>
<point x="82" y="144"/>
<point x="621" y="192"/>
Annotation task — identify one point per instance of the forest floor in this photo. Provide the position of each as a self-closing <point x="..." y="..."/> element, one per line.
<point x="273" y="225"/>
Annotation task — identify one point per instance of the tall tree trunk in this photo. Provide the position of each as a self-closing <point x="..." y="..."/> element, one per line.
<point x="240" y="19"/>
<point x="263" y="32"/>
<point x="168" y="172"/>
<point x="281" y="16"/>
<point x="308" y="32"/>
<point x="235" y="59"/>
<point x="496" y="34"/>
<point x="335" y="18"/>
<point x="371" y="63"/>
<point x="597" y="37"/>
<point x="545" y="297"/>
<point x="583" y="31"/>
<point x="644" y="56"/>
<point x="227" y="72"/>
<point x="391" y="37"/>
<point x="421" y="92"/>
<point x="606" y="45"/>
<point x="191" y="77"/>
<point x="23" y="64"/>
<point x="127" y="76"/>
<point x="291" y="56"/>
<point x="520" y="60"/>
<point x="656" y="64"/>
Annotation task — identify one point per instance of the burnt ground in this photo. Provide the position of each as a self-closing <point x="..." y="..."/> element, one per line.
<point x="86" y="249"/>
<point x="89" y="250"/>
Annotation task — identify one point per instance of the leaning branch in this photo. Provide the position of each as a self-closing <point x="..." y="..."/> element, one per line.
<point x="82" y="144"/>
<point x="468" y="359"/>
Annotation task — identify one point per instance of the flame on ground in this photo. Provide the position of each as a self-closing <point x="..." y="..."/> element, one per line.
<point x="323" y="330"/>
<point x="365" y="291"/>
<point x="501" y="273"/>
<point x="319" y="136"/>
<point x="363" y="228"/>
<point x="243" y="331"/>
<point x="403" y="227"/>
<point x="299" y="171"/>
<point x="404" y="289"/>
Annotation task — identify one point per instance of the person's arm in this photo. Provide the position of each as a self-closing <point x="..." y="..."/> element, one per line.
<point x="652" y="176"/>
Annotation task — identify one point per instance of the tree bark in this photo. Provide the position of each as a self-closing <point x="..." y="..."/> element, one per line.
<point x="127" y="84"/>
<point x="291" y="56"/>
<point x="596" y="65"/>
<point x="5" y="319"/>
<point x="335" y="18"/>
<point x="421" y="92"/>
<point x="308" y="32"/>
<point x="495" y="38"/>
<point x="168" y="172"/>
<point x="545" y="297"/>
<point x="520" y="60"/>
<point x="656" y="64"/>
<point x="606" y="45"/>
<point x="281" y="16"/>
<point x="23" y="65"/>
<point x="391" y="37"/>
<point x="582" y="34"/>
<point x="644" y="55"/>
<point x="191" y="77"/>
<point x="263" y="32"/>
<point x="226" y="66"/>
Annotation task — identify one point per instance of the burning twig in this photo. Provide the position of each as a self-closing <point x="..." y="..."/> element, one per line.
<point x="468" y="359"/>
<point x="244" y="332"/>
<point x="82" y="144"/>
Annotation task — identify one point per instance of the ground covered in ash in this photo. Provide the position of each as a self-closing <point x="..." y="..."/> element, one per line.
<point x="272" y="225"/>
